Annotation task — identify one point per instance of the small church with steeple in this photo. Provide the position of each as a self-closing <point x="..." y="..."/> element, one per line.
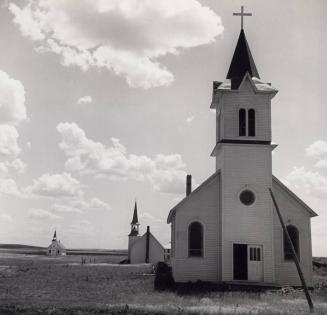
<point x="227" y="229"/>
<point x="56" y="248"/>
<point x="143" y="248"/>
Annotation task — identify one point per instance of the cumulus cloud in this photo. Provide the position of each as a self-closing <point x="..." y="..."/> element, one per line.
<point x="41" y="214"/>
<point x="12" y="113"/>
<point x="124" y="36"/>
<point x="9" y="187"/>
<point x="8" y="141"/>
<point x="85" y="100"/>
<point x="318" y="149"/>
<point x="12" y="100"/>
<point x="311" y="183"/>
<point x="166" y="173"/>
<point x="55" y="185"/>
<point x="17" y="165"/>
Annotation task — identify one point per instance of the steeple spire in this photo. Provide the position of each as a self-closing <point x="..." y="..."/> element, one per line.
<point x="135" y="218"/>
<point x="242" y="62"/>
<point x="54" y="236"/>
<point x="135" y="223"/>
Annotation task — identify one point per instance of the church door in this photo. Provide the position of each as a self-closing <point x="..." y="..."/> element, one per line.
<point x="240" y="261"/>
<point x="255" y="263"/>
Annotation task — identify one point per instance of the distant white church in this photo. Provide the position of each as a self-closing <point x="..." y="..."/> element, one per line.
<point x="145" y="248"/>
<point x="227" y="229"/>
<point x="56" y="248"/>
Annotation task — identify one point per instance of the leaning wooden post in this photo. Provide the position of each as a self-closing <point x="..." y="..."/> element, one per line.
<point x="296" y="260"/>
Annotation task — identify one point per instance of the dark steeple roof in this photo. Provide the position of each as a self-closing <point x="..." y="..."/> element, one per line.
<point x="135" y="218"/>
<point x="54" y="235"/>
<point x="242" y="62"/>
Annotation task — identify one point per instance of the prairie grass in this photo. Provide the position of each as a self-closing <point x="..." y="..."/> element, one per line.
<point x="36" y="285"/>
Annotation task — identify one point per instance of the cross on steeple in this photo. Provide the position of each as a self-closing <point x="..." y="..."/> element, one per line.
<point x="242" y="14"/>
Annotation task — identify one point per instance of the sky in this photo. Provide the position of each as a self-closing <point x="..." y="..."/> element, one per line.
<point x="106" y="102"/>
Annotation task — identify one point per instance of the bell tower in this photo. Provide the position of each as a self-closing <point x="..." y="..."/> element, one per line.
<point x="243" y="158"/>
<point x="134" y="234"/>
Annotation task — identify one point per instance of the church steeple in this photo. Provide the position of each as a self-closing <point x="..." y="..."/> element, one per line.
<point x="242" y="62"/>
<point x="54" y="236"/>
<point x="135" y="223"/>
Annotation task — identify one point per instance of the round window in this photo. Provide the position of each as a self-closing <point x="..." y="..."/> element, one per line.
<point x="247" y="197"/>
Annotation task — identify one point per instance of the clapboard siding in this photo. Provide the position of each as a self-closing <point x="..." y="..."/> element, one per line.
<point x="202" y="206"/>
<point x="138" y="250"/>
<point x="247" y="167"/>
<point x="292" y="213"/>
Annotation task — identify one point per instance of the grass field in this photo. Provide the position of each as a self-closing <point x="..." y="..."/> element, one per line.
<point x="34" y="284"/>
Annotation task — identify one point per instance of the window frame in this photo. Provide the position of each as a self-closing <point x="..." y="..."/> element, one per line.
<point x="189" y="240"/>
<point x="287" y="252"/>
<point x="242" y="124"/>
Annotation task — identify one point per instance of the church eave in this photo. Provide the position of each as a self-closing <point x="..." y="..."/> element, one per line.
<point x="294" y="196"/>
<point x="242" y="142"/>
<point x="206" y="182"/>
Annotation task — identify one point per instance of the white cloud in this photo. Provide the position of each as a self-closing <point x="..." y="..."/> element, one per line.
<point x="9" y="187"/>
<point x="97" y="203"/>
<point x="12" y="113"/>
<point x="12" y="100"/>
<point x="308" y="182"/>
<point x="166" y="173"/>
<point x="318" y="149"/>
<point x="17" y="165"/>
<point x="55" y="185"/>
<point x="189" y="120"/>
<point x="85" y="100"/>
<point x="27" y="20"/>
<point x="41" y="214"/>
<point x="65" y="209"/>
<point x="8" y="141"/>
<point x="84" y="33"/>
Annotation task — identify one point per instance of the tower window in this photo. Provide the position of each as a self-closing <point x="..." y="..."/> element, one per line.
<point x="251" y="117"/>
<point x="294" y="236"/>
<point x="195" y="240"/>
<point x="242" y="122"/>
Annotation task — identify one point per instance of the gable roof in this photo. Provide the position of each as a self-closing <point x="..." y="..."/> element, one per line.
<point x="57" y="244"/>
<point x="205" y="183"/>
<point x="242" y="62"/>
<point x="295" y="197"/>
<point x="143" y="236"/>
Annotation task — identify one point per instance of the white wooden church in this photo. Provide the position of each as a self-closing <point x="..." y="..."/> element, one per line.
<point x="56" y="248"/>
<point x="143" y="248"/>
<point x="227" y="229"/>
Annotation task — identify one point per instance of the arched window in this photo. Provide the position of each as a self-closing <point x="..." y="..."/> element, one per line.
<point x="195" y="240"/>
<point x="242" y="122"/>
<point x="294" y="235"/>
<point x="251" y="124"/>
